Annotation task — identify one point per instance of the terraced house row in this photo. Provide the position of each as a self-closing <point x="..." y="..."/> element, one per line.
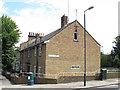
<point x="61" y="53"/>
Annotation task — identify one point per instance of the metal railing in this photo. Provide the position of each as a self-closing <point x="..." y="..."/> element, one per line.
<point x="56" y="76"/>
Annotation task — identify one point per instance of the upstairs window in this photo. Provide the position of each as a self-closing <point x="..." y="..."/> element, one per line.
<point x="24" y="53"/>
<point x="35" y="51"/>
<point x="40" y="50"/>
<point x="75" y="36"/>
<point x="34" y="70"/>
<point x="28" y="52"/>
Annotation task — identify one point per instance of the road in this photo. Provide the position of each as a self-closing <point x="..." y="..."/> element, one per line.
<point x="114" y="87"/>
<point x="106" y="87"/>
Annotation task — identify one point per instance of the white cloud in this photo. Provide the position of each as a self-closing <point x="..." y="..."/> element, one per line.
<point x="23" y="12"/>
<point x="35" y="20"/>
<point x="29" y="1"/>
<point x="3" y="10"/>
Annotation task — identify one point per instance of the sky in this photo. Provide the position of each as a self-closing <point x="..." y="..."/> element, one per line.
<point x="44" y="16"/>
<point x="119" y="18"/>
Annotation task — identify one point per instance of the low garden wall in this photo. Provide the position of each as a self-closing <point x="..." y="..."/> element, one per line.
<point x="113" y="75"/>
<point x="37" y="80"/>
<point x="62" y="79"/>
<point x="19" y="80"/>
<point x="67" y="79"/>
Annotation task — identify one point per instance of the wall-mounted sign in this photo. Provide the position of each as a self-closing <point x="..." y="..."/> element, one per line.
<point x="47" y="41"/>
<point x="75" y="67"/>
<point x="53" y="56"/>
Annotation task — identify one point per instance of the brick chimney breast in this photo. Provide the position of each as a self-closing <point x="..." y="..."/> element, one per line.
<point x="64" y="20"/>
<point x="31" y="36"/>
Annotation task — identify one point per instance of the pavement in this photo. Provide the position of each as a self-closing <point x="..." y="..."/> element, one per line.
<point x="73" y="85"/>
<point x="4" y="81"/>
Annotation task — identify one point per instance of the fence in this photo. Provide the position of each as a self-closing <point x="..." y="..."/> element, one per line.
<point x="56" y="76"/>
<point x="111" y="68"/>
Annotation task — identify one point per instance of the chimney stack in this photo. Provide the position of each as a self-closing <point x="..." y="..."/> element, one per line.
<point x="33" y="35"/>
<point x="64" y="20"/>
<point x="40" y="35"/>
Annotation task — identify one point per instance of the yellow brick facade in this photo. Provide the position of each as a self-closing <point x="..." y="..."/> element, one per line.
<point x="70" y="53"/>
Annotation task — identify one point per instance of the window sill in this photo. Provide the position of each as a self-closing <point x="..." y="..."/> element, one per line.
<point x="75" y="40"/>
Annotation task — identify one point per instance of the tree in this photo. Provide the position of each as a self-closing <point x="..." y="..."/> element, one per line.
<point x="116" y="62"/>
<point x="115" y="53"/>
<point x="0" y="41"/>
<point x="106" y="60"/>
<point x="10" y="36"/>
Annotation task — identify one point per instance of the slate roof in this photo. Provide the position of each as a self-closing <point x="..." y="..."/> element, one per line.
<point x="50" y="35"/>
<point x="47" y="37"/>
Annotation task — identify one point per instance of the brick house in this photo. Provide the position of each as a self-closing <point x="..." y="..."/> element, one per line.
<point x="61" y="53"/>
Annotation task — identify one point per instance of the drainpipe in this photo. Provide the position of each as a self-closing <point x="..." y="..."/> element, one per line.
<point x="37" y="35"/>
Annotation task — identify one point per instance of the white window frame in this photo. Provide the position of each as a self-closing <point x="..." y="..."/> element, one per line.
<point x="39" y="71"/>
<point x="28" y="52"/>
<point x="24" y="67"/>
<point x="35" y="51"/>
<point x="77" y="36"/>
<point x="24" y="53"/>
<point x="17" y="66"/>
<point x="13" y="67"/>
<point x="40" y="50"/>
<point x="21" y="68"/>
<point x="34" y="70"/>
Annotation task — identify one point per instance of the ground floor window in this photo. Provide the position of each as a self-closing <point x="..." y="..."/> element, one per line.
<point x="34" y="70"/>
<point x="39" y="71"/>
<point x="35" y="51"/>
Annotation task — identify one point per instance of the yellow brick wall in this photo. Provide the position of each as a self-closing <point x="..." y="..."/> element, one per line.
<point x="92" y="55"/>
<point x="71" y="52"/>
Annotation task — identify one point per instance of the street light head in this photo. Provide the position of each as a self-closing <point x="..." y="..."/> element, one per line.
<point x="90" y="8"/>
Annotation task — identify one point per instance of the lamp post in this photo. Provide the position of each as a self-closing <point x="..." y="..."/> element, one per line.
<point x="85" y="45"/>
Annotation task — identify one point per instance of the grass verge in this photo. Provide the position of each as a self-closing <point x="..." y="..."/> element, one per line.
<point x="113" y="71"/>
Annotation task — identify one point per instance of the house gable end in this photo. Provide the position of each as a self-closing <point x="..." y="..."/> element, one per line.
<point x="90" y="34"/>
